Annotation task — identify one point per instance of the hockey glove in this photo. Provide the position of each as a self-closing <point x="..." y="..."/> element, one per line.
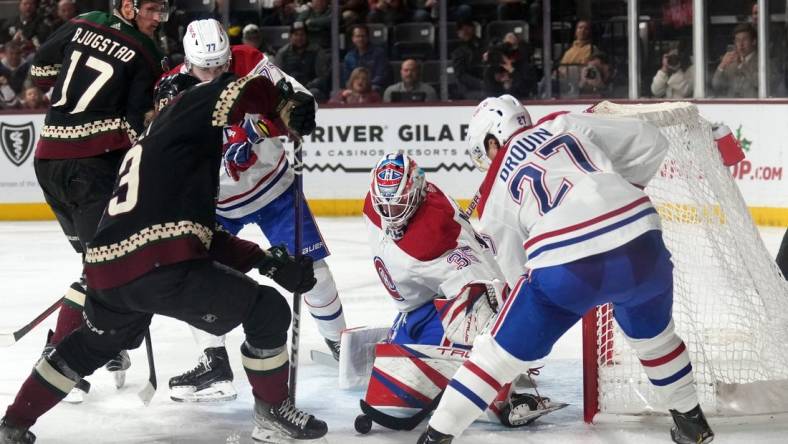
<point x="467" y="314"/>
<point x="296" y="109"/>
<point x="238" y="154"/>
<point x="295" y="276"/>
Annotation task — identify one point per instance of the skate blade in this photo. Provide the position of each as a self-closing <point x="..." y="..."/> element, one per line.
<point x="218" y="392"/>
<point x="275" y="436"/>
<point x="120" y="378"/>
<point x="532" y="416"/>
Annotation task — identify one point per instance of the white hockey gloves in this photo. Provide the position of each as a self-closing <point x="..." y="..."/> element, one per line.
<point x="467" y="314"/>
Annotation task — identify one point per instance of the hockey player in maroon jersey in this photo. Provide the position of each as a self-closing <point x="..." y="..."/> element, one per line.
<point x="157" y="251"/>
<point x="103" y="68"/>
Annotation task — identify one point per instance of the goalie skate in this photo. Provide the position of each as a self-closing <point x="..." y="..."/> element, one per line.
<point x="118" y="366"/>
<point x="525" y="408"/>
<point x="210" y="381"/>
<point x="284" y="423"/>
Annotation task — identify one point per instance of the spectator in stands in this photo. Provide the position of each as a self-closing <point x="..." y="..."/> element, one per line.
<point x="596" y="78"/>
<point x="252" y="36"/>
<point x="390" y="12"/>
<point x="362" y="54"/>
<point x="66" y="10"/>
<point x="33" y="98"/>
<point x="353" y="12"/>
<point x="357" y="90"/>
<point x="676" y="77"/>
<point x="424" y="10"/>
<point x="410" y="71"/>
<point x="737" y="73"/>
<point x="8" y="97"/>
<point x="282" y="14"/>
<point x="28" y="27"/>
<point x="12" y="67"/>
<point x="508" y="70"/>
<point x="317" y="19"/>
<point x="467" y="60"/>
<point x="307" y="63"/>
<point x="582" y="48"/>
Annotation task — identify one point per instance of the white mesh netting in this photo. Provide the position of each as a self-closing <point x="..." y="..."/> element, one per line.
<point x="730" y="301"/>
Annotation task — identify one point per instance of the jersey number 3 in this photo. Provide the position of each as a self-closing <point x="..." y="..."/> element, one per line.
<point x="128" y="178"/>
<point x="547" y="199"/>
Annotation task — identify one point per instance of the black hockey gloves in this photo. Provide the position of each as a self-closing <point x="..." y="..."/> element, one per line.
<point x="296" y="109"/>
<point x="294" y="276"/>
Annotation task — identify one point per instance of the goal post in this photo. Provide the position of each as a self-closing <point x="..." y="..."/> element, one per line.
<point x="730" y="300"/>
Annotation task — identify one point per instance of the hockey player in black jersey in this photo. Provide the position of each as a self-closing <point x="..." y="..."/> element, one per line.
<point x="157" y="251"/>
<point x="102" y="68"/>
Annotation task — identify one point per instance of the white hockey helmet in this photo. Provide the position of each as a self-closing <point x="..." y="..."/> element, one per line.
<point x="205" y="44"/>
<point x="497" y="117"/>
<point x="398" y="187"/>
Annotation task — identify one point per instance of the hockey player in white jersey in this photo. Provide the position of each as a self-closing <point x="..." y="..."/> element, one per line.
<point x="444" y="283"/>
<point x="569" y="192"/>
<point x="256" y="187"/>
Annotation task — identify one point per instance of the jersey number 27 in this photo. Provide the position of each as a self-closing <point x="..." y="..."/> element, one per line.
<point x="547" y="199"/>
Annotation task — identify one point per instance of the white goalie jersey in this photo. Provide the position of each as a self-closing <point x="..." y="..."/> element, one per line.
<point x="437" y="256"/>
<point x="270" y="175"/>
<point x="569" y="188"/>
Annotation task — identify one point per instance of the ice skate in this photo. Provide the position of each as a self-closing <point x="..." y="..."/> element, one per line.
<point x="524" y="408"/>
<point x="15" y="435"/>
<point x="118" y="366"/>
<point x="691" y="427"/>
<point x="77" y="394"/>
<point x="210" y="381"/>
<point x="334" y="347"/>
<point x="432" y="436"/>
<point x="284" y="423"/>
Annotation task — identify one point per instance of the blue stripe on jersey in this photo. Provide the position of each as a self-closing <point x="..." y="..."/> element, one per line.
<point x="257" y="194"/>
<point x="329" y="317"/>
<point x="593" y="234"/>
<point x="671" y="379"/>
<point x="400" y="393"/>
<point x="468" y="393"/>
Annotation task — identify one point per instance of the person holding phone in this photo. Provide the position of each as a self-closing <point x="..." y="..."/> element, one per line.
<point x="737" y="73"/>
<point x="675" y="78"/>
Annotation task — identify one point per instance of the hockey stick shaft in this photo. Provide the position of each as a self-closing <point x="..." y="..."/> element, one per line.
<point x="298" y="194"/>
<point x="396" y="422"/>
<point x="11" y="338"/>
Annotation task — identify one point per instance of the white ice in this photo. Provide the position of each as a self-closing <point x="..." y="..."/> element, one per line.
<point x="37" y="265"/>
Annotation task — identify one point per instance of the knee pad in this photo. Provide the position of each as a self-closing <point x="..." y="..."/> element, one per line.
<point x="74" y="355"/>
<point x="267" y="324"/>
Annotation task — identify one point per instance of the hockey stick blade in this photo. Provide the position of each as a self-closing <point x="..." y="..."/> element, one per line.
<point x="397" y="423"/>
<point x="323" y="358"/>
<point x="10" y="338"/>
<point x="146" y="394"/>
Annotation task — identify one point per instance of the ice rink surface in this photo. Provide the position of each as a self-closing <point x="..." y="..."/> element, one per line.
<point x="37" y="265"/>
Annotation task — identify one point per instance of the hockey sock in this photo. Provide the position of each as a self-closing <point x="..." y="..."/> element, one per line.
<point x="324" y="304"/>
<point x="47" y="385"/>
<point x="667" y="364"/>
<point x="475" y="386"/>
<point x="70" y="316"/>
<point x="267" y="371"/>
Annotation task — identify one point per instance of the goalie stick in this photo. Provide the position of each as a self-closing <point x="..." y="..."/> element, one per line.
<point x="10" y="338"/>
<point x="395" y="422"/>
<point x="298" y="166"/>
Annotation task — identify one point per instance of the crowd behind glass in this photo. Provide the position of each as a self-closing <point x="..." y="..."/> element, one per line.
<point x="389" y="49"/>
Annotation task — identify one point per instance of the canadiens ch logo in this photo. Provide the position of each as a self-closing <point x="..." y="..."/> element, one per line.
<point x="385" y="277"/>
<point x="17" y="141"/>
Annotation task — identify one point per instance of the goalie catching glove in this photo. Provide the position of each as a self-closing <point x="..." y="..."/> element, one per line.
<point x="294" y="275"/>
<point x="467" y="314"/>
<point x="296" y="109"/>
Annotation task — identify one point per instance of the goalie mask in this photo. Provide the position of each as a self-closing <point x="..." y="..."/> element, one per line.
<point x="206" y="45"/>
<point x="398" y="186"/>
<point x="495" y="118"/>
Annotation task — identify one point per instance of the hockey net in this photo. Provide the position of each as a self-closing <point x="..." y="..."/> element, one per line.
<point x="730" y="300"/>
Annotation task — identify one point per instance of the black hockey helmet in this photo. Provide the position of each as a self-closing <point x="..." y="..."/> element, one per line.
<point x="137" y="4"/>
<point x="170" y="87"/>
